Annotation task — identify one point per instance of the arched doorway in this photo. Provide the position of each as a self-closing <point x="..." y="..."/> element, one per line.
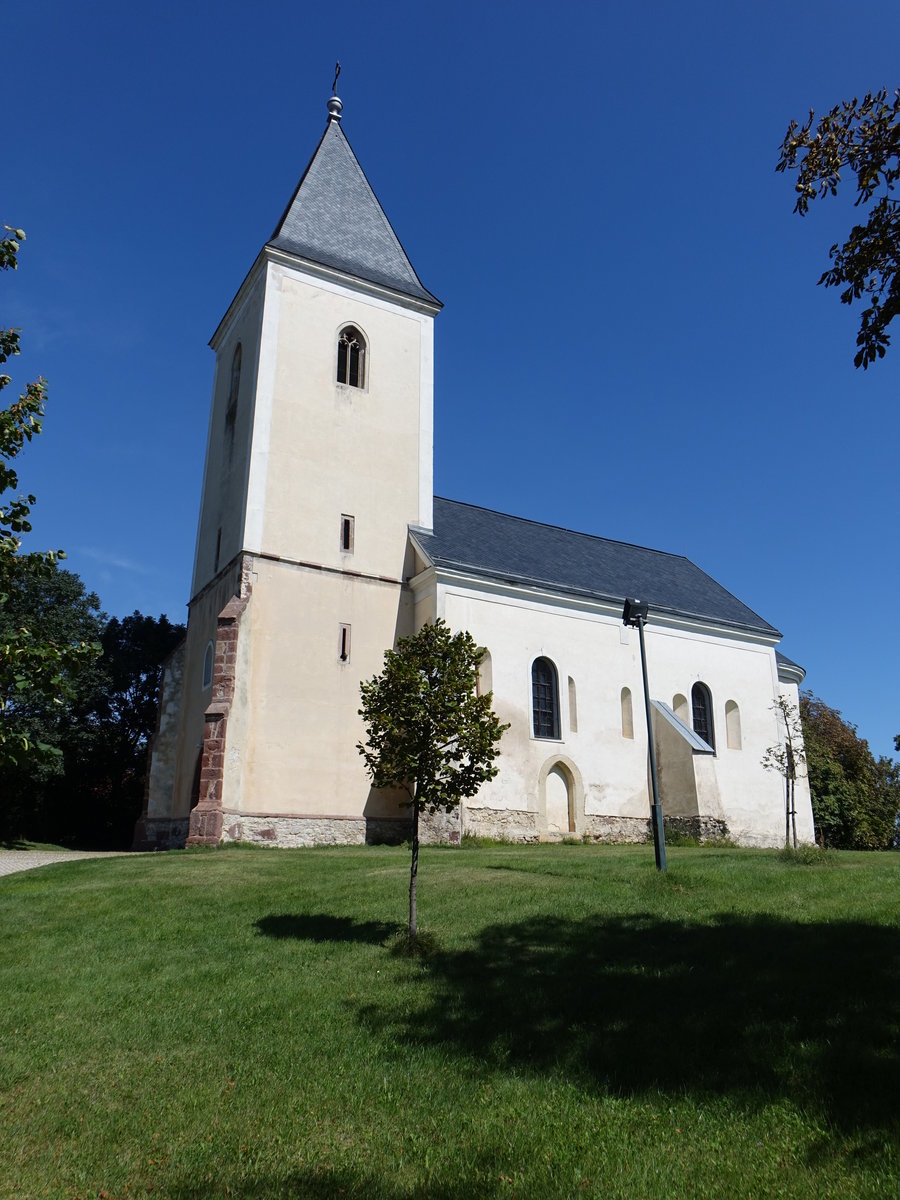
<point x="560" y="801"/>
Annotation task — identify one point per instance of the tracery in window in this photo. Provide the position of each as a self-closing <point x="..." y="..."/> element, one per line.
<point x="545" y="698"/>
<point x="701" y="709"/>
<point x="351" y="362"/>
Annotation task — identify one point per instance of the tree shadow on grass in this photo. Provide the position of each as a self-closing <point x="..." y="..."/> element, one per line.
<point x="324" y="927"/>
<point x="327" y="1184"/>
<point x="756" y="1009"/>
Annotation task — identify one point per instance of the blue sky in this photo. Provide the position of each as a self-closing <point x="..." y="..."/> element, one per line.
<point x="632" y="344"/>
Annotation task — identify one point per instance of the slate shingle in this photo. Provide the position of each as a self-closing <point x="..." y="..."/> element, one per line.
<point x="334" y="219"/>
<point x="514" y="549"/>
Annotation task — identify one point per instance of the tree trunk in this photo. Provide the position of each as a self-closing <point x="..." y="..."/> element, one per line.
<point x="793" y="815"/>
<point x="414" y="869"/>
<point x="787" y="811"/>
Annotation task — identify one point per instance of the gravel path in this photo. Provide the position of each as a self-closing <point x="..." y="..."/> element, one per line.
<point x="24" y="860"/>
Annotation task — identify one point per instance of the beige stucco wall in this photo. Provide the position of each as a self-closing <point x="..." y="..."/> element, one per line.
<point x="602" y="657"/>
<point x="225" y="474"/>
<point x="164" y="747"/>
<point x="294" y="723"/>
<point x="322" y="449"/>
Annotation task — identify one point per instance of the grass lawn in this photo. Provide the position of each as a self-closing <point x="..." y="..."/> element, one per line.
<point x="241" y="1023"/>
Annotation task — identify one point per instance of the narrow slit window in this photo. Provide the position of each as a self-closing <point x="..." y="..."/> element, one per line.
<point x="218" y="549"/>
<point x="208" y="666"/>
<point x="573" y="707"/>
<point x="351" y="364"/>
<point x="347" y="532"/>
<point x="344" y="643"/>
<point x="234" y="389"/>
<point x="701" y="711"/>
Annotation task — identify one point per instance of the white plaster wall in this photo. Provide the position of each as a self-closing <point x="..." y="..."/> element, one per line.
<point x="802" y="797"/>
<point x="602" y="657"/>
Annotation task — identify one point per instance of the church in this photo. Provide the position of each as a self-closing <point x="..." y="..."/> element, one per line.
<point x="320" y="543"/>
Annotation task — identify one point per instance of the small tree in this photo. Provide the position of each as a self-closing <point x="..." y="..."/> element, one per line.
<point x="427" y="731"/>
<point x="784" y="757"/>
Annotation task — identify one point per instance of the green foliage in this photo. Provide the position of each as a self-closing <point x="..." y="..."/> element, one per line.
<point x="862" y="137"/>
<point x="426" y="729"/>
<point x="855" y="797"/>
<point x="86" y="788"/>
<point x="32" y="668"/>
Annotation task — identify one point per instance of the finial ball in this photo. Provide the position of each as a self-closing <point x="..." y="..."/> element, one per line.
<point x="334" y="108"/>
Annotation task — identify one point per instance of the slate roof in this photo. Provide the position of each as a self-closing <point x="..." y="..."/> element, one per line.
<point x="334" y="219"/>
<point x="513" y="549"/>
<point x="783" y="661"/>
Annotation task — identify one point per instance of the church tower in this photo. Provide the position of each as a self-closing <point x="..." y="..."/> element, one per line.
<point x="318" y="459"/>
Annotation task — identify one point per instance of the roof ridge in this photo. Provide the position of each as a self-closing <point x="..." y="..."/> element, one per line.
<point x="597" y="537"/>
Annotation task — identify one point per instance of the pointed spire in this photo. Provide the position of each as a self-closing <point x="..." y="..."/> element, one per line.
<point x="334" y="217"/>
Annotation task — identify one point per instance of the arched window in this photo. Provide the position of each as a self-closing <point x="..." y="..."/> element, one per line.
<point x="208" y="666"/>
<point x="701" y="709"/>
<point x="545" y="699"/>
<point x="573" y="706"/>
<point x="680" y="708"/>
<point x="351" y="363"/>
<point x="234" y="389"/>
<point x="627" y="714"/>
<point x="732" y="725"/>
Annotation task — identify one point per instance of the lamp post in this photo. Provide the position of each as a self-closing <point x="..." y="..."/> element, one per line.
<point x="635" y="614"/>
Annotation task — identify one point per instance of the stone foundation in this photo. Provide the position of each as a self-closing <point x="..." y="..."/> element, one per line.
<point x="614" y="831"/>
<point x="434" y="829"/>
<point x="703" y="829"/>
<point x="504" y="824"/>
<point x="160" y="833"/>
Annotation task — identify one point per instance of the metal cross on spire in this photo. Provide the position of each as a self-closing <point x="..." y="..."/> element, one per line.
<point x="337" y="71"/>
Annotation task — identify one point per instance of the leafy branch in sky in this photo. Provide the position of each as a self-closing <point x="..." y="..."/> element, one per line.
<point x="29" y="665"/>
<point x="862" y="137"/>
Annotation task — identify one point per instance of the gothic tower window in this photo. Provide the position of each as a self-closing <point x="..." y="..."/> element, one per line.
<point x="351" y="364"/>
<point x="701" y="710"/>
<point x="231" y="410"/>
<point x="545" y="699"/>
